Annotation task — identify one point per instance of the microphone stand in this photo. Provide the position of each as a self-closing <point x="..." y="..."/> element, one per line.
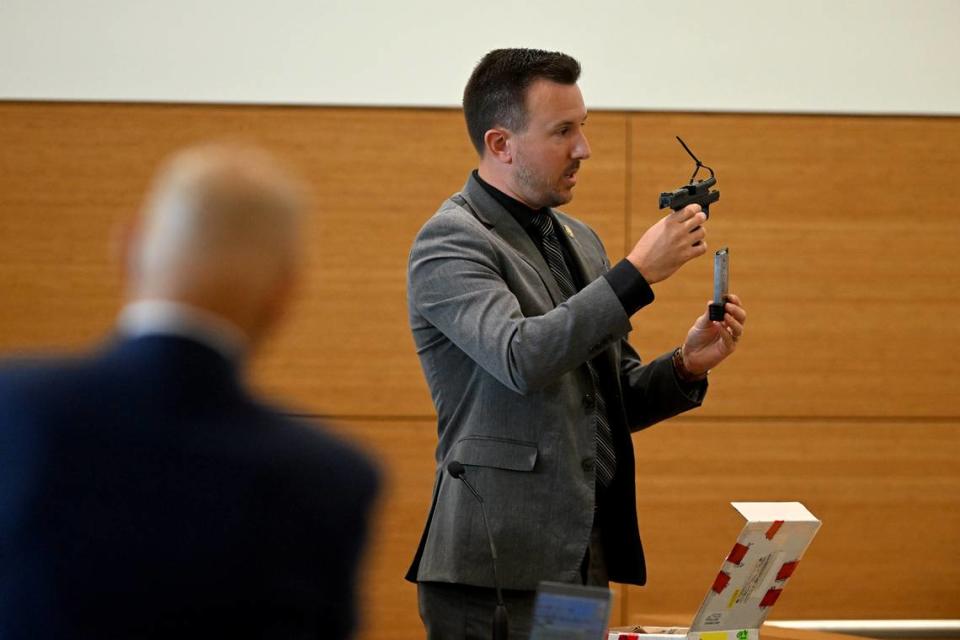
<point x="501" y="622"/>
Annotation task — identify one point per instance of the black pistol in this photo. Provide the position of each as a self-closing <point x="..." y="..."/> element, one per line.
<point x="696" y="191"/>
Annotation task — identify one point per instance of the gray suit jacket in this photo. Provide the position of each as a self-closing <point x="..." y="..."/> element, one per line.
<point x="504" y="359"/>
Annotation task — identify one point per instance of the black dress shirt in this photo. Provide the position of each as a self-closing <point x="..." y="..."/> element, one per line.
<point x="627" y="283"/>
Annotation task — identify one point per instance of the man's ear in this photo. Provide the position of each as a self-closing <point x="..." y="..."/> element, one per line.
<point x="496" y="143"/>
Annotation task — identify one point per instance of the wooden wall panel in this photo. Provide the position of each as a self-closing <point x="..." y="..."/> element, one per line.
<point x="843" y="244"/>
<point x="843" y="247"/>
<point x="887" y="493"/>
<point x="72" y="173"/>
<point x="405" y="449"/>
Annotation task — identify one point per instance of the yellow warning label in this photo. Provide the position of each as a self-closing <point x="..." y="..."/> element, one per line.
<point x="733" y="598"/>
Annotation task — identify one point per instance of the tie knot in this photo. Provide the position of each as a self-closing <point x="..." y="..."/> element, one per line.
<point x="544" y="223"/>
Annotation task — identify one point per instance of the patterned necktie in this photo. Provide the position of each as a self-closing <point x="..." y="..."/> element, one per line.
<point x="606" y="458"/>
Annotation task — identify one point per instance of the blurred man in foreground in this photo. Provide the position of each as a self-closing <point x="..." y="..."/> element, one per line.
<point x="144" y="492"/>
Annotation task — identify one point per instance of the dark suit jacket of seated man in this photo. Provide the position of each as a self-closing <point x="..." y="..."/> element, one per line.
<point x="145" y="493"/>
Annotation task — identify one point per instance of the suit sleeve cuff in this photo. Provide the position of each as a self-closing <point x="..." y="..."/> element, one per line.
<point x="629" y="286"/>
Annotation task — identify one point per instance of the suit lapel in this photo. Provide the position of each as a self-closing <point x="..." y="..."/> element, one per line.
<point x="494" y="216"/>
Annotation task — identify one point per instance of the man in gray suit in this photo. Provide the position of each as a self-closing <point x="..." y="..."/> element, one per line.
<point x="521" y="327"/>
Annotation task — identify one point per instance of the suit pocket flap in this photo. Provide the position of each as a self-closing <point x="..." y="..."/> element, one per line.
<point x="512" y="455"/>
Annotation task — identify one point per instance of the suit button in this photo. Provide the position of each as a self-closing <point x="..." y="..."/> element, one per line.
<point x="588" y="401"/>
<point x="587" y="464"/>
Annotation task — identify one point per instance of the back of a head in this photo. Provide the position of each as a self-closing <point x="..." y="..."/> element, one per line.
<point x="496" y="90"/>
<point x="220" y="231"/>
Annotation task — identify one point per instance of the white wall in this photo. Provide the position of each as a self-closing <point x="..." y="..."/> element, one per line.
<point x="859" y="56"/>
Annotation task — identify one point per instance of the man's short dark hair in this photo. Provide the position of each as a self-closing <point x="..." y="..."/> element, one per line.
<point x="496" y="92"/>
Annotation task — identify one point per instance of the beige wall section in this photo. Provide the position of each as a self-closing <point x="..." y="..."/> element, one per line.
<point x="886" y="492"/>
<point x="72" y="172"/>
<point x="844" y="245"/>
<point x="377" y="175"/>
<point x="842" y="234"/>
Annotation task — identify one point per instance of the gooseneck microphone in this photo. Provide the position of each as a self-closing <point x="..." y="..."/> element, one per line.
<point x="501" y="623"/>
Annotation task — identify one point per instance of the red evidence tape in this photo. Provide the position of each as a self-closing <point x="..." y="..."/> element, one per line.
<point x="770" y="597"/>
<point x="721" y="582"/>
<point x="772" y="531"/>
<point x="787" y="570"/>
<point x="737" y="554"/>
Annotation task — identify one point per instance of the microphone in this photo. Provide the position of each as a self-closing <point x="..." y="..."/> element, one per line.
<point x="501" y="623"/>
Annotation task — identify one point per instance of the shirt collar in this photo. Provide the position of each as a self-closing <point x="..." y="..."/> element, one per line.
<point x="520" y="212"/>
<point x="164" y="317"/>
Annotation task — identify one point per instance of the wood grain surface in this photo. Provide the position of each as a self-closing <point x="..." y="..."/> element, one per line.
<point x="843" y="246"/>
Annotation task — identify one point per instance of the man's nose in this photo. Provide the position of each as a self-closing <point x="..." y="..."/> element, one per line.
<point x="581" y="151"/>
